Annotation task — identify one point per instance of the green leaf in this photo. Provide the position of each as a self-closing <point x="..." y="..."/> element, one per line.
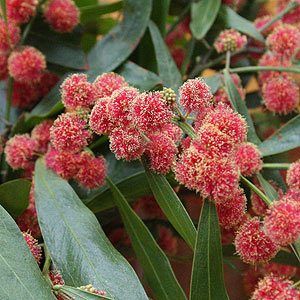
<point x="61" y="49"/>
<point x="172" y="207"/>
<point x="77" y="294"/>
<point x="167" y="68"/>
<point x="214" y="82"/>
<point x="139" y="77"/>
<point x="89" y="13"/>
<point x="268" y="188"/>
<point x="203" y="15"/>
<point x="14" y="196"/>
<point x="159" y="14"/>
<point x="76" y="241"/>
<point x="285" y="139"/>
<point x="154" y="262"/>
<point x="207" y="273"/>
<point x="119" y="43"/>
<point x="3" y="8"/>
<point x="234" y="20"/>
<point x="240" y="106"/>
<point x="20" y="276"/>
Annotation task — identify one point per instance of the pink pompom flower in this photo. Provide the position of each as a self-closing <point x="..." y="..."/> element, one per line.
<point x="10" y="36"/>
<point x="20" y="11"/>
<point x="260" y="22"/>
<point x="252" y="243"/>
<point x="77" y="92"/>
<point x="147" y="208"/>
<point x="281" y="94"/>
<point x="284" y="41"/>
<point x="25" y="94"/>
<point x="61" y="15"/>
<point x="280" y="270"/>
<point x="275" y="288"/>
<point x="3" y="66"/>
<point x="33" y="246"/>
<point x="20" y="151"/>
<point x="230" y="40"/>
<point x="41" y="133"/>
<point x="91" y="170"/>
<point x="293" y="175"/>
<point x="26" y="64"/>
<point x="107" y="83"/>
<point x="127" y="143"/>
<point x="195" y="95"/>
<point x="70" y="133"/>
<point x="161" y="151"/>
<point x="282" y="222"/>
<point x="248" y="159"/>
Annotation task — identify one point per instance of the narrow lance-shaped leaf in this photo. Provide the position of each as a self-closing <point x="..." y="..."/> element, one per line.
<point x="167" y="68"/>
<point x="285" y="139"/>
<point x="160" y="9"/>
<point x="15" y="203"/>
<point x="172" y="207"/>
<point x="20" y="276"/>
<point x="154" y="262"/>
<point x="203" y="16"/>
<point x="268" y="188"/>
<point x="240" y="106"/>
<point x="207" y="273"/>
<point x="120" y="42"/>
<point x="76" y="242"/>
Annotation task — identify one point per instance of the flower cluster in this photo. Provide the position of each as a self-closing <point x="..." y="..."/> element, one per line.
<point x="33" y="246"/>
<point x="230" y="40"/>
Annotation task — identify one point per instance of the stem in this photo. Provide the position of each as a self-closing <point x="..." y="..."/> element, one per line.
<point x="288" y="8"/>
<point x="26" y="30"/>
<point x="276" y="166"/>
<point x="187" y="128"/>
<point x="47" y="262"/>
<point x="10" y="84"/>
<point x="295" y="252"/>
<point x="265" y="68"/>
<point x="227" y="65"/>
<point x="296" y="283"/>
<point x="256" y="190"/>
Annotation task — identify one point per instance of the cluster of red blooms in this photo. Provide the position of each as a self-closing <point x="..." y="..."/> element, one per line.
<point x="280" y="92"/>
<point x="230" y="40"/>
<point x="25" y="64"/>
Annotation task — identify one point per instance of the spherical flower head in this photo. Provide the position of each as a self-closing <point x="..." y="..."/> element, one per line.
<point x="77" y="92"/>
<point x="25" y="95"/>
<point x="211" y="184"/>
<point x="10" y="36"/>
<point x="293" y="16"/>
<point x="26" y="64"/>
<point x="258" y="206"/>
<point x="213" y="142"/>
<point x="64" y="164"/>
<point x="100" y="121"/>
<point x="120" y="105"/>
<point x="169" y="97"/>
<point x="91" y="171"/>
<point x="260" y="22"/>
<point x="3" y="65"/>
<point x="280" y="270"/>
<point x="47" y="82"/>
<point x="147" y="208"/>
<point x="232" y="210"/>
<point x="119" y="237"/>
<point x="173" y="132"/>
<point x="269" y="59"/>
<point x="282" y="222"/>
<point x="20" y="11"/>
<point x="161" y="151"/>
<point x="70" y="133"/>
<point x="248" y="159"/>
<point x="61" y="15"/>
<point x="195" y="95"/>
<point x="33" y="246"/>
<point x="292" y="195"/>
<point x="107" y="83"/>
<point x="20" y="151"/>
<point x="167" y="241"/>
<point x="41" y="133"/>
<point x="281" y="94"/>
<point x="252" y="244"/>
<point x="149" y="112"/>
<point x="293" y="175"/>
<point x="230" y="40"/>
<point x="187" y="166"/>
<point x="284" y="41"/>
<point x="228" y="122"/>
<point x="127" y="143"/>
<point x="275" y="288"/>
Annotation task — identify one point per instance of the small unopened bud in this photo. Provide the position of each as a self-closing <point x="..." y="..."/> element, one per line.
<point x="90" y="289"/>
<point x="169" y="96"/>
